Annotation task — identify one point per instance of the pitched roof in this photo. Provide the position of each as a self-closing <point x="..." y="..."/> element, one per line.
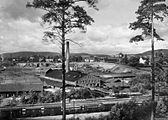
<point x="119" y="75"/>
<point x="15" y="87"/>
<point x="70" y="76"/>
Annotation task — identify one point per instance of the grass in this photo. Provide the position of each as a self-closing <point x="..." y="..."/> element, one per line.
<point x="18" y="74"/>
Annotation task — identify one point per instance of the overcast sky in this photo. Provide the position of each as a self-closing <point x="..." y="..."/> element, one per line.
<point x="20" y="29"/>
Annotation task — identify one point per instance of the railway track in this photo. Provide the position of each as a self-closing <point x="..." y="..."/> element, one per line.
<point x="74" y="106"/>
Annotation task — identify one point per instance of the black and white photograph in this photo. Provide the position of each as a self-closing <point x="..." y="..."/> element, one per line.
<point x="83" y="59"/>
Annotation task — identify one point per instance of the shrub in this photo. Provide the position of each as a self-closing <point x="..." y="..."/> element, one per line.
<point x="131" y="111"/>
<point x="127" y="111"/>
<point x="161" y="108"/>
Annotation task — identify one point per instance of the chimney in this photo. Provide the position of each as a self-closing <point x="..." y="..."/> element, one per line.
<point x="67" y="56"/>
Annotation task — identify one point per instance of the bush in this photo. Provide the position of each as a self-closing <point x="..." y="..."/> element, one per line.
<point x="127" y="111"/>
<point x="131" y="111"/>
<point x="83" y="93"/>
<point x="47" y="97"/>
<point x="162" y="107"/>
<point x="141" y="83"/>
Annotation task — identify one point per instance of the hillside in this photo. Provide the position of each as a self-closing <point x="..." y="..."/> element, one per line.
<point x="164" y="51"/>
<point x="46" y="54"/>
<point x="87" y="54"/>
<point x="29" y="54"/>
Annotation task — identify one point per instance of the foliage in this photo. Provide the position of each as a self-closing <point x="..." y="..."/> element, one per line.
<point x="162" y="107"/>
<point x="141" y="83"/>
<point x="61" y="16"/>
<point x="131" y="111"/>
<point x="133" y="61"/>
<point x="30" y="98"/>
<point x="148" y="10"/>
<point x="8" y="63"/>
<point x="47" y="97"/>
<point x="124" y="59"/>
<point x="76" y="59"/>
<point x="82" y="93"/>
<point x="126" y="111"/>
<point x="165" y="101"/>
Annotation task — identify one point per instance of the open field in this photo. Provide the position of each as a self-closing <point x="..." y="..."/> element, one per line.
<point x="17" y="74"/>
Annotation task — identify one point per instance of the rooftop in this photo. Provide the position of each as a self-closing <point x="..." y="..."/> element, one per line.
<point x="70" y="76"/>
<point x="119" y="75"/>
<point x="16" y="87"/>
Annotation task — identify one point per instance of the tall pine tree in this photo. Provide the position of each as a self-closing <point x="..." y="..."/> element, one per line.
<point x="61" y="17"/>
<point x="147" y="12"/>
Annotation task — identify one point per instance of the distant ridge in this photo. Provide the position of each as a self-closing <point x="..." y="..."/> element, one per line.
<point x="52" y="54"/>
<point x="46" y="54"/>
<point x="87" y="54"/>
<point x="164" y="51"/>
<point x="29" y="54"/>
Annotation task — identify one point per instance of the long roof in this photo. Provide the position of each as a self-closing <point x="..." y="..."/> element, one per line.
<point x="54" y="77"/>
<point x="16" y="87"/>
<point x="119" y="75"/>
<point x="70" y="76"/>
<point x="56" y="82"/>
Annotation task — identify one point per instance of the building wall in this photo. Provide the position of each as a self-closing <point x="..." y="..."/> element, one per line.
<point x="89" y="81"/>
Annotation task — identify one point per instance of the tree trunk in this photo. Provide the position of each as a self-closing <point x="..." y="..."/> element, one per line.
<point x="153" y="68"/>
<point x="63" y="65"/>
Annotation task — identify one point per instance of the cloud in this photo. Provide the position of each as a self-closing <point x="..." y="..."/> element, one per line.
<point x="16" y="9"/>
<point x="97" y="34"/>
<point x="109" y="39"/>
<point x="20" y="29"/>
<point x="105" y="39"/>
<point x="23" y="35"/>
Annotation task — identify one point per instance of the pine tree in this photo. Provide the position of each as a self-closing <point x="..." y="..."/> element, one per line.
<point x="61" y="17"/>
<point x="147" y="12"/>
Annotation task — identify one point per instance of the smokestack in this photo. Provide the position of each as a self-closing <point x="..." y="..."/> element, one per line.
<point x="67" y="56"/>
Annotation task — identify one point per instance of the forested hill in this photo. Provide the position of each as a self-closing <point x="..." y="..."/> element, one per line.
<point x="46" y="54"/>
<point x="29" y="54"/>
<point x="163" y="51"/>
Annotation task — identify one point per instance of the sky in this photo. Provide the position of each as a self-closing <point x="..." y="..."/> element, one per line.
<point x="21" y="29"/>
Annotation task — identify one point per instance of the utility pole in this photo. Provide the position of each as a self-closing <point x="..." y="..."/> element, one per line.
<point x="63" y="65"/>
<point x="152" y="67"/>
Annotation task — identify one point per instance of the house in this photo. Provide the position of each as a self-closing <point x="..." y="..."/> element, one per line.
<point x="142" y="61"/>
